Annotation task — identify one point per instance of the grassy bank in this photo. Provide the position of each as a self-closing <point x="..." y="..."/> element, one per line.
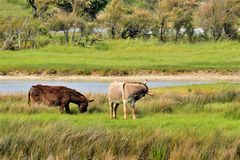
<point x="121" y="57"/>
<point x="14" y="8"/>
<point x="190" y="122"/>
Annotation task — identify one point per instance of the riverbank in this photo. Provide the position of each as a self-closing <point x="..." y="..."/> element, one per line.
<point x="193" y="76"/>
<point x="128" y="57"/>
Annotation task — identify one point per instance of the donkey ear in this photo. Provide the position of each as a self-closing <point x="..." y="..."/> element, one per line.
<point x="90" y="100"/>
<point x="145" y="82"/>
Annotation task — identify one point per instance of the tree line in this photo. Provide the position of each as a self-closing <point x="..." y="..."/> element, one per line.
<point x="85" y="22"/>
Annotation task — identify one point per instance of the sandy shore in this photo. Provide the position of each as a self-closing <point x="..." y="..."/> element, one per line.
<point x="158" y="77"/>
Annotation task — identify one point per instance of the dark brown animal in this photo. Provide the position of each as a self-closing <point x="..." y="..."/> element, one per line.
<point x="58" y="96"/>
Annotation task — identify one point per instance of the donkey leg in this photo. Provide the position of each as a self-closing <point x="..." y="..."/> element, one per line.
<point x="133" y="109"/>
<point x="111" y="109"/>
<point x="125" y="109"/>
<point x="67" y="109"/>
<point x="62" y="108"/>
<point x="115" y="110"/>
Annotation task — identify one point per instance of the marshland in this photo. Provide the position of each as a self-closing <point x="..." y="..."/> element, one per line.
<point x="198" y="121"/>
<point x="59" y="42"/>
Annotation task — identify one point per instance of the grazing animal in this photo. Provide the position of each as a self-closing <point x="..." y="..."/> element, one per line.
<point x="58" y="96"/>
<point x="125" y="92"/>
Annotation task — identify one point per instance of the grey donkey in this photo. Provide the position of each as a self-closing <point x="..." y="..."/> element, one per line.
<point x="126" y="93"/>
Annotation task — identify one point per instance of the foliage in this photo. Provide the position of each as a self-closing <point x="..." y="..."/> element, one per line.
<point x="184" y="16"/>
<point x="62" y="22"/>
<point x="95" y="7"/>
<point x="218" y="15"/>
<point x="82" y="32"/>
<point x="42" y="41"/>
<point x="18" y="33"/>
<point x="137" y="24"/>
<point x="90" y="7"/>
<point x="162" y="21"/>
<point x="112" y="17"/>
<point x="84" y="22"/>
<point x="175" y="20"/>
<point x="19" y="2"/>
<point x="144" y="4"/>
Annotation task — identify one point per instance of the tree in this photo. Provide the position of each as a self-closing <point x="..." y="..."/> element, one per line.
<point x="112" y="17"/>
<point x="18" y="33"/>
<point x="175" y="15"/>
<point x="183" y="11"/>
<point x="38" y="7"/>
<point x="137" y="24"/>
<point x="34" y="7"/>
<point x="219" y="16"/>
<point x="95" y="7"/>
<point x="211" y="16"/>
<point x="231" y="18"/>
<point x="62" y="22"/>
<point x="90" y="7"/>
<point x="162" y="20"/>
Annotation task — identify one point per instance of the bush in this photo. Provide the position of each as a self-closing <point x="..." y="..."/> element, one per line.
<point x="42" y="41"/>
<point x="18" y="32"/>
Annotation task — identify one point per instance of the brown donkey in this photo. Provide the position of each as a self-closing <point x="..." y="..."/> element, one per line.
<point x="58" y="96"/>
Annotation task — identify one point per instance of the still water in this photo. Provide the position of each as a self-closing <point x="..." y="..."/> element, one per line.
<point x="21" y="86"/>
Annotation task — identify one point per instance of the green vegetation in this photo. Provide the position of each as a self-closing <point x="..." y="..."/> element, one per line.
<point x="203" y="88"/>
<point x="14" y="8"/>
<point x="186" y="122"/>
<point x="174" y="124"/>
<point x="86" y="22"/>
<point x="119" y="57"/>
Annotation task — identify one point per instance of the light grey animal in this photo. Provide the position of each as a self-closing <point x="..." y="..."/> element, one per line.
<point x="125" y="92"/>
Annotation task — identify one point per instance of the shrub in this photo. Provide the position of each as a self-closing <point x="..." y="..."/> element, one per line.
<point x="42" y="41"/>
<point x="18" y="32"/>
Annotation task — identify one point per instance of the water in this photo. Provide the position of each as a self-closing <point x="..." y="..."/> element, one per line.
<point x="22" y="86"/>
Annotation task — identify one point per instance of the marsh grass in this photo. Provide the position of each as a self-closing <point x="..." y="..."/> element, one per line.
<point x="168" y="102"/>
<point x="233" y="111"/>
<point x="18" y="104"/>
<point x="61" y="142"/>
<point x="171" y="125"/>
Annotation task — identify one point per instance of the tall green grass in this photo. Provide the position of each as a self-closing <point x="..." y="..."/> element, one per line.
<point x="201" y="124"/>
<point x="58" y="141"/>
<point x="119" y="57"/>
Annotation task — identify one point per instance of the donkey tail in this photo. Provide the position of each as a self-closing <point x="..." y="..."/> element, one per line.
<point x="29" y="99"/>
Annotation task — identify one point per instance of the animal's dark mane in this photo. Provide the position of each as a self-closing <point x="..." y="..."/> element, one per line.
<point x="139" y="83"/>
